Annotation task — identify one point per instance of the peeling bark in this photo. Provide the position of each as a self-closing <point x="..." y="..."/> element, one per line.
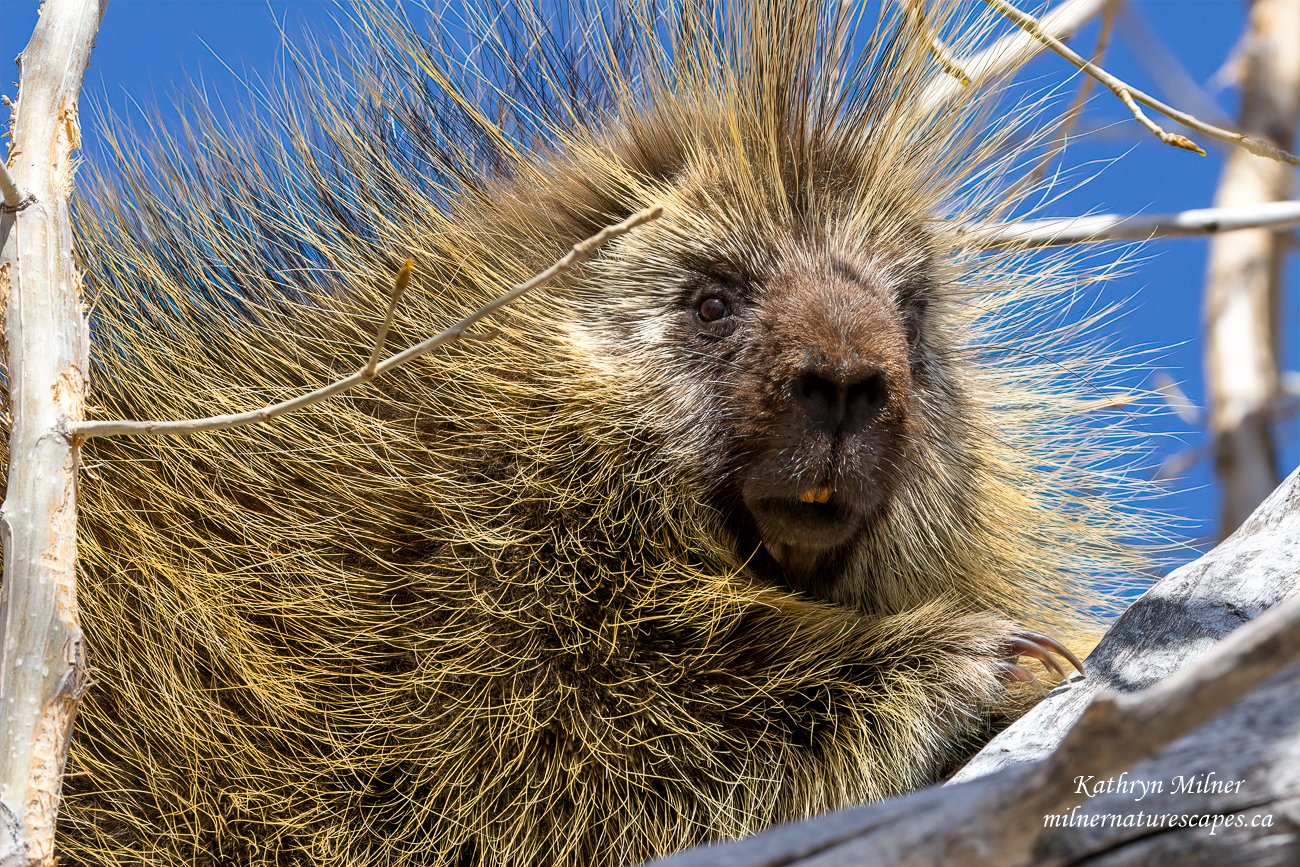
<point x="40" y="638"/>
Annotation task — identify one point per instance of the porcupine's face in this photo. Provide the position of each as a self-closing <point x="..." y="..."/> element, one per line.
<point x="813" y="365"/>
<point x="799" y="369"/>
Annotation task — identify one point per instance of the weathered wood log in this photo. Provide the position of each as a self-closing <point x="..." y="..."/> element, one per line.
<point x="48" y="356"/>
<point x="1226" y="793"/>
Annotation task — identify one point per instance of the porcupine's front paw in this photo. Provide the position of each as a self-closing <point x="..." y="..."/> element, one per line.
<point x="1034" y="645"/>
<point x="972" y="671"/>
<point x="999" y="664"/>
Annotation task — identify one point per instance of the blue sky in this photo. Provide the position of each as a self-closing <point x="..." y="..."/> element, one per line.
<point x="147" y="47"/>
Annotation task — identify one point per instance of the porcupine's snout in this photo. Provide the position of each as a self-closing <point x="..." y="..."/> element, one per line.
<point x="831" y="442"/>
<point x="841" y="401"/>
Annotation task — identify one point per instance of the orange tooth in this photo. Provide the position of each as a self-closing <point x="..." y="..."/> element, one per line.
<point x="816" y="495"/>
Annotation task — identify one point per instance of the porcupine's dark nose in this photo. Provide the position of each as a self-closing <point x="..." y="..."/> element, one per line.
<point x="842" y="403"/>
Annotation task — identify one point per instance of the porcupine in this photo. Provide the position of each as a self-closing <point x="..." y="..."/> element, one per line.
<point x="746" y="519"/>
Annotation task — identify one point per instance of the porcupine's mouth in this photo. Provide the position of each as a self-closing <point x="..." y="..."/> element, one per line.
<point x="816" y="520"/>
<point x="799" y="536"/>
<point x="802" y="538"/>
<point x="800" y="516"/>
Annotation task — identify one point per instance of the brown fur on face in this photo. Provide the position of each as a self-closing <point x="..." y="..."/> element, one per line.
<point x="819" y="357"/>
<point x="826" y="406"/>
<point x="802" y="410"/>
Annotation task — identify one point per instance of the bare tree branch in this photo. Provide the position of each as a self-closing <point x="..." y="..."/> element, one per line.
<point x="399" y="289"/>
<point x="1061" y="231"/>
<point x="40" y="636"/>
<point x="1131" y="96"/>
<point x="915" y="10"/>
<point x="1061" y="138"/>
<point x="1177" y="400"/>
<point x="581" y="251"/>
<point x="1179" y="464"/>
<point x="12" y="199"/>
<point x="1011" y="52"/>
<point x="1165" y="68"/>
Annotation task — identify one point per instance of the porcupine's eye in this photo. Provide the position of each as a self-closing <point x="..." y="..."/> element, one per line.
<point x="712" y="309"/>
<point x="912" y="322"/>
<point x="714" y="301"/>
<point x="913" y="303"/>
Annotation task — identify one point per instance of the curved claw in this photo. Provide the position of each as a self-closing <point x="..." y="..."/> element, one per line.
<point x="1013" y="672"/>
<point x="1021" y="645"/>
<point x="1056" y="647"/>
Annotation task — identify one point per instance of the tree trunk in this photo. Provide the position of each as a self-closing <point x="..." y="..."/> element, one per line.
<point x="40" y="639"/>
<point x="1243" y="288"/>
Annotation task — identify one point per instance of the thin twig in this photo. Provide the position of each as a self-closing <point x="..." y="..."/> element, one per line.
<point x="1115" y="227"/>
<point x="915" y="10"/>
<point x="399" y="289"/>
<point x="1280" y="408"/>
<point x="1011" y="52"/>
<point x="1291" y="383"/>
<point x="580" y="252"/>
<point x="1177" y="465"/>
<point x="1165" y="68"/>
<point x="1071" y="119"/>
<point x="1131" y="96"/>
<point x="1099" y="49"/>
<point x="1177" y="400"/>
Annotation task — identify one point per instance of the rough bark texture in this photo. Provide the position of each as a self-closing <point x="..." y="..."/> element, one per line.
<point x="1242" y="293"/>
<point x="40" y="639"/>
<point x="995" y="810"/>
<point x="1173" y="624"/>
